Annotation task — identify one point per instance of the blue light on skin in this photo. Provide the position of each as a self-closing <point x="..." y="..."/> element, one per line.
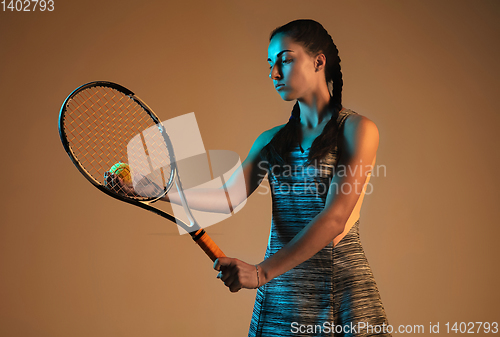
<point x="297" y="75"/>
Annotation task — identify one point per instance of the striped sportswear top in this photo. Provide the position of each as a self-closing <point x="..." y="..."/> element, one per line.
<point x="333" y="293"/>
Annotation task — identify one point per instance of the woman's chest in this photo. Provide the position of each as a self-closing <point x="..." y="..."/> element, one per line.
<point x="301" y="175"/>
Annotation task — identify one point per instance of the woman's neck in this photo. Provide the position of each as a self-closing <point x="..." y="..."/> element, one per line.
<point x="315" y="111"/>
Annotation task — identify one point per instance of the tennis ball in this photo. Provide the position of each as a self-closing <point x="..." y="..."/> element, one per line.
<point x="123" y="171"/>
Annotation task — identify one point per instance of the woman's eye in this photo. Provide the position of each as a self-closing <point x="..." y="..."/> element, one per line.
<point x="285" y="61"/>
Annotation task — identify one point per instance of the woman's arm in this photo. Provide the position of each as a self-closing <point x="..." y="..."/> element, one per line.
<point x="359" y="141"/>
<point x="240" y="186"/>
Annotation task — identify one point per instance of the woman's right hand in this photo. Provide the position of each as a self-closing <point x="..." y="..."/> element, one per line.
<point x="237" y="274"/>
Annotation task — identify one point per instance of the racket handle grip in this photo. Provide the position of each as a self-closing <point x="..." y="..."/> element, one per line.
<point x="207" y="244"/>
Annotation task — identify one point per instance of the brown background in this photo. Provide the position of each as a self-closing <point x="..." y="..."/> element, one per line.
<point x="74" y="262"/>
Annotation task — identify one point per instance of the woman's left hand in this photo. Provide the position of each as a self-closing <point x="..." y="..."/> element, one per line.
<point x="237" y="274"/>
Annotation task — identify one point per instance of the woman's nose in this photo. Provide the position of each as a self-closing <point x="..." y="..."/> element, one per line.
<point x="274" y="74"/>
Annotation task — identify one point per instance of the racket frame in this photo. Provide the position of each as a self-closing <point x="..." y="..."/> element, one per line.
<point x="197" y="233"/>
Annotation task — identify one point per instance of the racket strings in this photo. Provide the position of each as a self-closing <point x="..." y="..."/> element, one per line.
<point x="103" y="127"/>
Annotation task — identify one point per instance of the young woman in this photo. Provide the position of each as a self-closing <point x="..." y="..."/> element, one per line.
<point x="315" y="279"/>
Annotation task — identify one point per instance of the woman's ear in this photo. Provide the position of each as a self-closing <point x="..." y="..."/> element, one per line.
<point x="320" y="62"/>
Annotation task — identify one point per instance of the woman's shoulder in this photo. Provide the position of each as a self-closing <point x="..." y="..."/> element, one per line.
<point x="272" y="132"/>
<point x="356" y="125"/>
<point x="263" y="139"/>
<point x="354" y="118"/>
<point x="266" y="136"/>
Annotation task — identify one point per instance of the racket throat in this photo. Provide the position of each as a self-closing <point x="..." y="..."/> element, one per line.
<point x="185" y="206"/>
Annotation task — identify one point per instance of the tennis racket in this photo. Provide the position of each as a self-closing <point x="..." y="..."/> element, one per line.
<point x="98" y="122"/>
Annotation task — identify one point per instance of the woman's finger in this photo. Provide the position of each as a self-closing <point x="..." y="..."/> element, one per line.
<point x="235" y="286"/>
<point x="228" y="280"/>
<point x="227" y="274"/>
<point x="222" y="262"/>
<point x="217" y="264"/>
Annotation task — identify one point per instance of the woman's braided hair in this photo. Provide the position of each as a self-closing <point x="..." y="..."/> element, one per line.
<point x="315" y="39"/>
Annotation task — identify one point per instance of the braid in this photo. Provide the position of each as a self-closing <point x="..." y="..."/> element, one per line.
<point x="322" y="145"/>
<point x="315" y="39"/>
<point x="334" y="74"/>
<point x="276" y="152"/>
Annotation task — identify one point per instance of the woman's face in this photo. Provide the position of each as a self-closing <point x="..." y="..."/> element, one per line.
<point x="292" y="69"/>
